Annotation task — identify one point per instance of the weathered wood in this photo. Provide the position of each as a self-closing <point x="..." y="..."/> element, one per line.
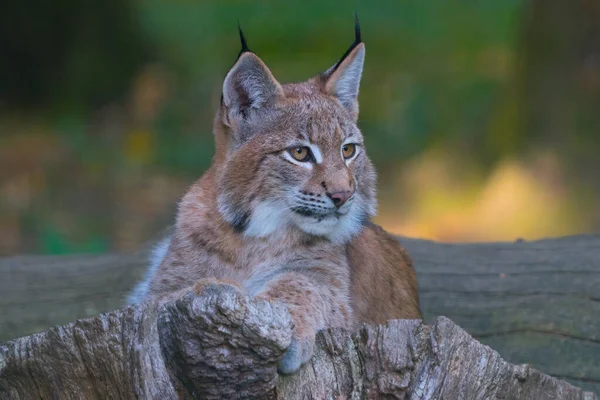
<point x="222" y="344"/>
<point x="534" y="302"/>
<point x="37" y="292"/>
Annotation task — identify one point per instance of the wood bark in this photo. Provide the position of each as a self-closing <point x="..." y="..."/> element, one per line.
<point x="222" y="344"/>
<point x="533" y="302"/>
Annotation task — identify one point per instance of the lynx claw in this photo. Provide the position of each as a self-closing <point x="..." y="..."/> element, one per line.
<point x="299" y="352"/>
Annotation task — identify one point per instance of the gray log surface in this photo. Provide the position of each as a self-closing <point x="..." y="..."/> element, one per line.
<point x="534" y="302"/>
<point x="223" y="345"/>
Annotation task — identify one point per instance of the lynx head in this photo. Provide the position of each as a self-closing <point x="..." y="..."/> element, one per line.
<point x="291" y="156"/>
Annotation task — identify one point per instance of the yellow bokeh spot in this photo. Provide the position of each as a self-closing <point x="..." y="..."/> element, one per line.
<point x="514" y="201"/>
<point x="139" y="146"/>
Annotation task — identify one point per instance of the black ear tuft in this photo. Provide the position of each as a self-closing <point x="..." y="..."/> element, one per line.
<point x="357" y="41"/>
<point x="245" y="47"/>
<point x="357" y="38"/>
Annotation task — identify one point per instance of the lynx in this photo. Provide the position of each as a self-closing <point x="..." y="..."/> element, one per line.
<point x="283" y="213"/>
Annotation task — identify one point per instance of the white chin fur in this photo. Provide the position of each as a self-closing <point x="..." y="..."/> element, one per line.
<point x="337" y="229"/>
<point x="268" y="217"/>
<point x="313" y="226"/>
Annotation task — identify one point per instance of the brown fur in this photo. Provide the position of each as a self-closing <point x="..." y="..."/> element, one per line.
<point x="341" y="274"/>
<point x="384" y="283"/>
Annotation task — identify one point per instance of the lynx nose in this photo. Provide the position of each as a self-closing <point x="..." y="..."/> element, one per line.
<point x="339" y="198"/>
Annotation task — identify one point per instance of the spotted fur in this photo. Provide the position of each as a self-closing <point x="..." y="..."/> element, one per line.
<point x="275" y="227"/>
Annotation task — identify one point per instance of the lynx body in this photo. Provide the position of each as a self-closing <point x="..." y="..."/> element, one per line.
<point x="283" y="212"/>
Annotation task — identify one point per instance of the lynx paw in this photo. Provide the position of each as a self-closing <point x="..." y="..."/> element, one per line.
<point x="205" y="285"/>
<point x="299" y="352"/>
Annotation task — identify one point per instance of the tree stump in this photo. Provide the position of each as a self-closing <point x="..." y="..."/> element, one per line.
<point x="222" y="344"/>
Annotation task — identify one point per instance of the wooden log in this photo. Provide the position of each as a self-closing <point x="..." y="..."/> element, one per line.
<point x="222" y="344"/>
<point x="534" y="302"/>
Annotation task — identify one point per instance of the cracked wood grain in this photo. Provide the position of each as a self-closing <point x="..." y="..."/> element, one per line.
<point x="222" y="344"/>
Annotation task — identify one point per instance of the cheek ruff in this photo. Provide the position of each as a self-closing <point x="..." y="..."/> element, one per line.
<point x="267" y="218"/>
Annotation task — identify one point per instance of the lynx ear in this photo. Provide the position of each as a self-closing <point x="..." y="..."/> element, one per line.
<point x="248" y="86"/>
<point x="343" y="79"/>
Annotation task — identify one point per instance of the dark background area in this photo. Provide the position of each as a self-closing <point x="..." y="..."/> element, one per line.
<point x="483" y="118"/>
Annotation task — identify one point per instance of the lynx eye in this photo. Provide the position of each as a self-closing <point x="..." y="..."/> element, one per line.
<point x="348" y="150"/>
<point x="301" y="154"/>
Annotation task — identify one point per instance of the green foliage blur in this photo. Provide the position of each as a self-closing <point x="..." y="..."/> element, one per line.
<point x="106" y="107"/>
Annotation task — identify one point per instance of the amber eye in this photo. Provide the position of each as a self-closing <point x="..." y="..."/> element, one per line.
<point x="348" y="150"/>
<point x="300" y="153"/>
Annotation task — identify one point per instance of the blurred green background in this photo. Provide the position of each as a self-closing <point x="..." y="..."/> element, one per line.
<point x="482" y="117"/>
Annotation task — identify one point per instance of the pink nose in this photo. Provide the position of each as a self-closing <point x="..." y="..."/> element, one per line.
<point x="339" y="198"/>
